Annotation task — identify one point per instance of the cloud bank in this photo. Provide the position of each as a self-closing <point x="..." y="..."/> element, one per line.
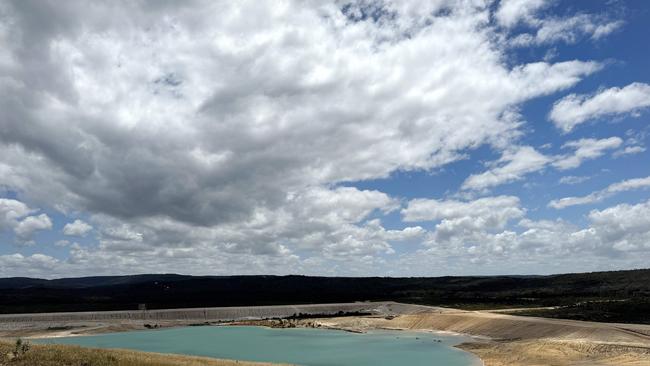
<point x="228" y="137"/>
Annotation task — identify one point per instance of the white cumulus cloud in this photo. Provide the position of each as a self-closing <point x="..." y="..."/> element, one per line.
<point x="512" y="166"/>
<point x="220" y="136"/>
<point x="629" y="150"/>
<point x="11" y="211"/>
<point x="585" y="149"/>
<point x="626" y="185"/>
<point x="38" y="265"/>
<point x="512" y="12"/>
<point x="29" y="225"/>
<point x="490" y="211"/>
<point x="77" y="228"/>
<point x="573" y="109"/>
<point x="516" y="163"/>
<point x="573" y="179"/>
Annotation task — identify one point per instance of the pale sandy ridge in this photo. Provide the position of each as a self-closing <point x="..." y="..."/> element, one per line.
<point x="528" y="341"/>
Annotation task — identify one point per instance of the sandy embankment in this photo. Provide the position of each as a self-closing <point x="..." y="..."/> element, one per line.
<point x="79" y="323"/>
<point x="514" y="340"/>
<point x="501" y="339"/>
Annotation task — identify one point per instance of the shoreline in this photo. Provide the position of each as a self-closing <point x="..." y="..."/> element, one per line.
<point x="509" y="340"/>
<point x="463" y="338"/>
<point x="57" y="354"/>
<point x="496" y="339"/>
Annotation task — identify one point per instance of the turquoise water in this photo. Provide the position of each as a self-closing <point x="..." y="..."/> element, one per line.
<point x="310" y="347"/>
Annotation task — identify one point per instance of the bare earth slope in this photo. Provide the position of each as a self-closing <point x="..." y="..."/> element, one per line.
<point x="515" y="340"/>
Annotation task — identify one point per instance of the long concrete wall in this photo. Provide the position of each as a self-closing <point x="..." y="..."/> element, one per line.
<point x="207" y="314"/>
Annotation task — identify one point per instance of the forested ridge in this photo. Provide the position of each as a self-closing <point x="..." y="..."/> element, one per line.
<point x="620" y="296"/>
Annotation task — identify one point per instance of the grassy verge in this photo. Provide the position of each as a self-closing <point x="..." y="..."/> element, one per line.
<point x="60" y="355"/>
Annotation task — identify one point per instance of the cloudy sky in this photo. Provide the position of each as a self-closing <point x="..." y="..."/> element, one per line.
<point x="399" y="138"/>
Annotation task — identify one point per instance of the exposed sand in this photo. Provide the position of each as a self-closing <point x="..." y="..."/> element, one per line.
<point x="501" y="339"/>
<point x="549" y="352"/>
<point x="526" y="341"/>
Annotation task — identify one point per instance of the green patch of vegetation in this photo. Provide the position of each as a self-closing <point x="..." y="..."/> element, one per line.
<point x="609" y="311"/>
<point x="328" y="315"/>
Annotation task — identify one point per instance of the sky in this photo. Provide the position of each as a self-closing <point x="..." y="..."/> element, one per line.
<point x="335" y="138"/>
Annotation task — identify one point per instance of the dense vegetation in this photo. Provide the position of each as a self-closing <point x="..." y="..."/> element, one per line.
<point x="583" y="296"/>
<point x="609" y="311"/>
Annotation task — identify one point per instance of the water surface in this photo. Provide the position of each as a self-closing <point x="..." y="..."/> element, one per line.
<point x="300" y="346"/>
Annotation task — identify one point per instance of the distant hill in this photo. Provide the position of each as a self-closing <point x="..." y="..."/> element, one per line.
<point x="595" y="290"/>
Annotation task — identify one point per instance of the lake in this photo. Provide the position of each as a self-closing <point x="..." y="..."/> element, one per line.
<point x="300" y="346"/>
